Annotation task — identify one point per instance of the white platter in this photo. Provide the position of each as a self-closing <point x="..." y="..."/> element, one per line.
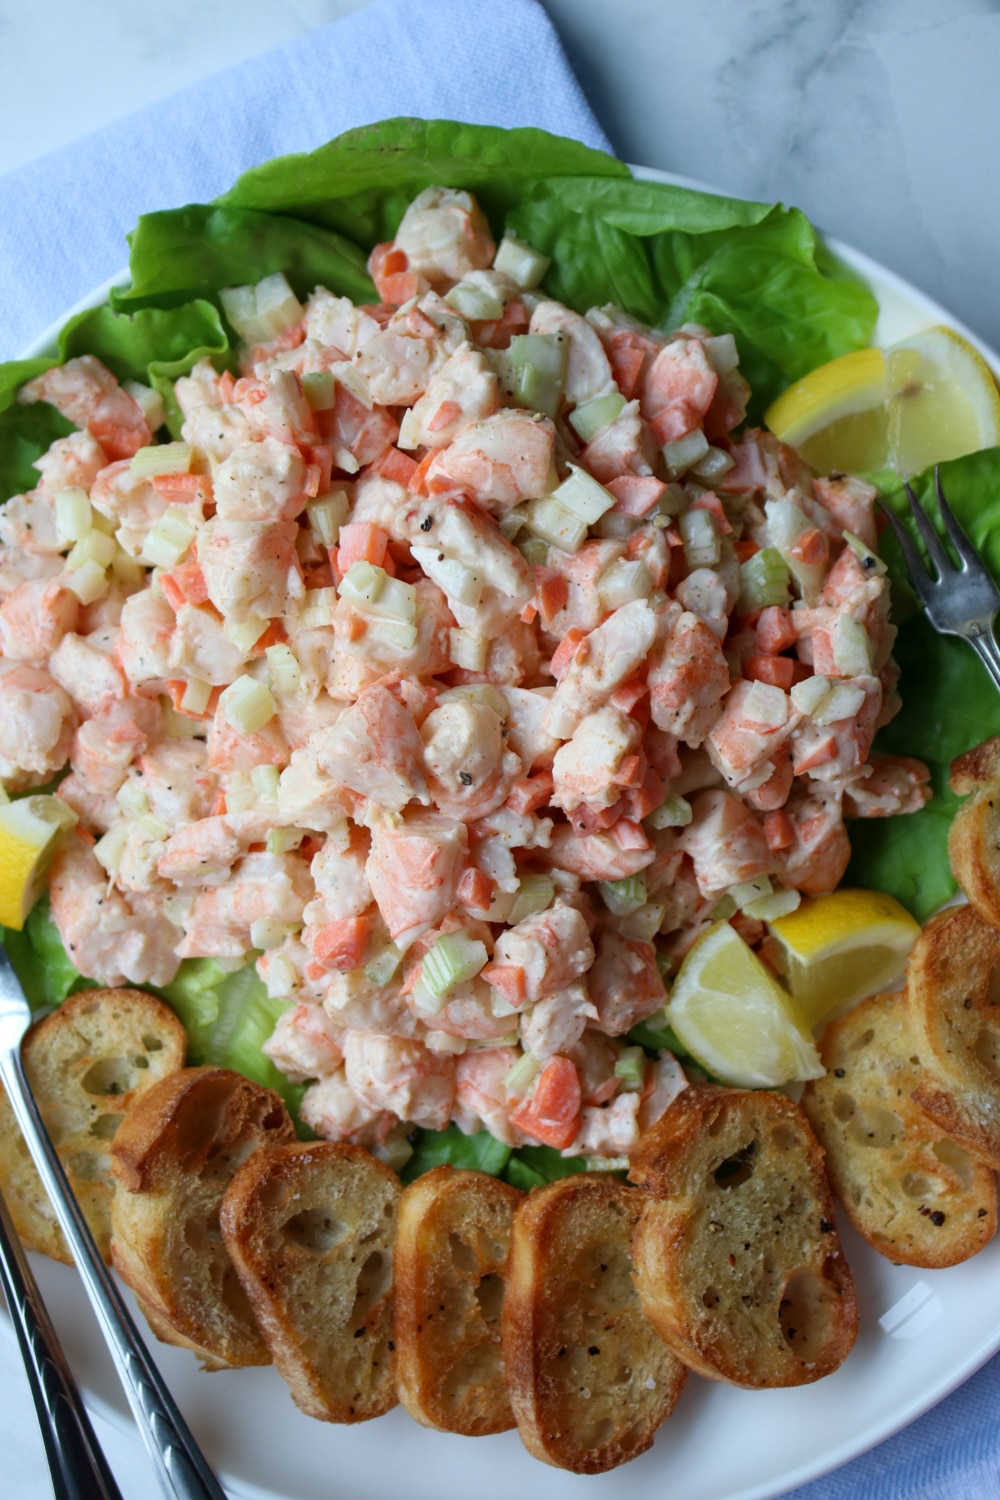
<point x="922" y="1333"/>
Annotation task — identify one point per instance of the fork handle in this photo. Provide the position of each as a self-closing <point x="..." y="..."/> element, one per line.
<point x="984" y="642"/>
<point x="180" y="1466"/>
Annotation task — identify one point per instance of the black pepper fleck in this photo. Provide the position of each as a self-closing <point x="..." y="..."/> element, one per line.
<point x="838" y="1072"/>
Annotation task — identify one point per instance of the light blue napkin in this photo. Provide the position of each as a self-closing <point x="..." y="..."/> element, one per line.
<point x="63" y="218"/>
<point x="63" y="221"/>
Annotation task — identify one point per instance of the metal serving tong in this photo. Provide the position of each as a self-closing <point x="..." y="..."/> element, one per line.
<point x="960" y="600"/>
<point x="180" y="1466"/>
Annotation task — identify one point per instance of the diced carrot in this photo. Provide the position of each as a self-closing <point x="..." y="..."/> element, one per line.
<point x="475" y="890"/>
<point x="415" y="483"/>
<point x="746" y="549"/>
<point x="184" y="584"/>
<point x="644" y="799"/>
<point x="811" y="548"/>
<point x="822" y="752"/>
<point x="341" y="944"/>
<point x="800" y="671"/>
<point x="779" y="830"/>
<point x="219" y="805"/>
<point x="386" y="266"/>
<point x="397" y="466"/>
<point x="172" y="592"/>
<point x="630" y="772"/>
<point x="551" y="592"/>
<point x="85" y="834"/>
<point x="360" y="541"/>
<point x="274" y="635"/>
<point x="552" y="1114"/>
<point x="635" y="494"/>
<point x="226" y="386"/>
<point x="628" y="835"/>
<point x="118" y="440"/>
<point x="515" y="314"/>
<point x="509" y="980"/>
<point x="626" y="366"/>
<point x="530" y="793"/>
<point x="775" y="630"/>
<point x="176" y="688"/>
<point x="566" y="651"/>
<point x="625" y="698"/>
<point x="779" y="671"/>
<point x="446" y="413"/>
<point x="714" y="506"/>
<point x="750" y="929"/>
<point x="182" y="487"/>
<point x="586" y="819"/>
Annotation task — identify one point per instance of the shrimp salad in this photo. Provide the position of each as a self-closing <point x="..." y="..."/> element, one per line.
<point x="458" y="667"/>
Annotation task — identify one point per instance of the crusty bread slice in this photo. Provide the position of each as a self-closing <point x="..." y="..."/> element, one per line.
<point x="86" y="1063"/>
<point x="912" y="1192"/>
<point x="974" y="835"/>
<point x="310" y="1228"/>
<point x="955" y="1023"/>
<point x="176" y="1153"/>
<point x="738" y="1260"/>
<point x="451" y="1253"/>
<point x="589" y="1379"/>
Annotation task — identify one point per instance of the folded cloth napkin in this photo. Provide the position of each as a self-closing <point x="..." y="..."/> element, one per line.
<point x="63" y="220"/>
<point x="64" y="217"/>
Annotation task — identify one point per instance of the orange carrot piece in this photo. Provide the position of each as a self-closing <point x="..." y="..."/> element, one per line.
<point x="360" y="541"/>
<point x="552" y="1114"/>
<point x="341" y="944"/>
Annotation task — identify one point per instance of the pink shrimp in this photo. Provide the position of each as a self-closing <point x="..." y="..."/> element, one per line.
<point x="481" y="1100"/>
<point x="108" y="937"/>
<point x="34" y="618"/>
<point x="444" y="234"/>
<point x="586" y="767"/>
<point x="304" y="1043"/>
<point x="89" y="396"/>
<point x="549" y="949"/>
<point x="106" y="744"/>
<point x="250" y="567"/>
<point x="606" y="658"/>
<point x="816" y="861"/>
<point x="70" y="462"/>
<point x="469" y="772"/>
<point x="333" y="1109"/>
<point x="199" y="853"/>
<point x="144" y="641"/>
<point x="626" y="446"/>
<point x="557" y="1022"/>
<point x="593" y="856"/>
<point x="37" y="720"/>
<point x="851" y="503"/>
<point x="678" y="389"/>
<point x="756" y="721"/>
<point x="888" y="785"/>
<point x="413" y="871"/>
<point x="688" y="676"/>
<point x="403" y="1077"/>
<point x="501" y="460"/>
<point x="624" y="984"/>
<point x="588" y="373"/>
<point x="269" y="887"/>
<point x="86" y="669"/>
<point x="375" y="750"/>
<point x="262" y="481"/>
<point x="726" y="843"/>
<point x="464" y="390"/>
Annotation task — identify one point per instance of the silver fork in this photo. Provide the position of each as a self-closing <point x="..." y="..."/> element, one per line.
<point x="960" y="600"/>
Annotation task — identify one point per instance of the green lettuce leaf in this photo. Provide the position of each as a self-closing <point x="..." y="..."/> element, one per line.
<point x="40" y="961"/>
<point x="531" y="1166"/>
<point x="437" y="1148"/>
<point x="25" y="431"/>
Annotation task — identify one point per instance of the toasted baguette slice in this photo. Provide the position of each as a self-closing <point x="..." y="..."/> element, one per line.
<point x="974" y="835"/>
<point x="737" y="1255"/>
<point x="176" y="1153"/>
<point x="912" y="1192"/>
<point x="310" y="1228"/>
<point x="589" y="1379"/>
<point x="956" y="1027"/>
<point x="87" y="1063"/>
<point x="451" y="1254"/>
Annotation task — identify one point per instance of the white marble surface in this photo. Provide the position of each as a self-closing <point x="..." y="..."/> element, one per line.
<point x="880" y="118"/>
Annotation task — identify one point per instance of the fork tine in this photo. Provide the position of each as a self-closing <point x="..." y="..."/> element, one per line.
<point x="932" y="541"/>
<point x="919" y="576"/>
<point x="963" y="546"/>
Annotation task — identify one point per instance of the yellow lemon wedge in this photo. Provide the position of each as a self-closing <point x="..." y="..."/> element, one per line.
<point x="836" y="949"/>
<point x="29" y="831"/>
<point x="929" y="398"/>
<point x="735" y="1019"/>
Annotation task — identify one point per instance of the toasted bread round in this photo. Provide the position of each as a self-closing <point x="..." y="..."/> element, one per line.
<point x="589" y="1379"/>
<point x="87" y="1063"/>
<point x="978" y="767"/>
<point x="912" y="1192"/>
<point x="451" y="1253"/>
<point x="738" y="1260"/>
<point x="974" y="851"/>
<point x="310" y="1228"/>
<point x="956" y="1027"/>
<point x="175" y="1155"/>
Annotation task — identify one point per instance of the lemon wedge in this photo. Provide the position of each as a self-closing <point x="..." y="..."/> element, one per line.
<point x="929" y="398"/>
<point x="836" y="949"/>
<point x="29" y="832"/>
<point x="735" y="1019"/>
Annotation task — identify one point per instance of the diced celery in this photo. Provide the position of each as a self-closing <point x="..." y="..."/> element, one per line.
<point x="154" y="827"/>
<point x="722" y="352"/>
<point x="712" y="465"/>
<point x="512" y="523"/>
<point x="247" y="705"/>
<point x="700" y="538"/>
<point x="766" y="705"/>
<point x="395" y="633"/>
<point x="268" y="933"/>
<point x="283" y="666"/>
<point x="352" y="380"/>
<point x="763" y="580"/>
<point x="770" y="908"/>
<point x="852" y="651"/>
<point x="395" y="1151"/>
<point x="605" y="1163"/>
<point x="88" y="582"/>
<point x="109" y="849"/>
<point x="869" y="560"/>
<point x="520" y="261"/>
<point x="479" y="304"/>
<point x="624" y="581"/>
<point x="538" y="362"/>
<point x="265" y="784"/>
<point x="161" y="458"/>
<point x="132" y="799"/>
<point x="555" y="524"/>
<point x="384" y="965"/>
<point x="74" y="517"/>
<point x="169" y="539"/>
<point x="452" y="960"/>
<point x="244" y="634"/>
<point x="149" y="401"/>
<point x="182" y="727"/>
<point x="643" y="924"/>
<point x="282" y="840"/>
<point x="281" y="977"/>
<point x="583" y="495"/>
<point x="623" y="896"/>
<point x="749" y="891"/>
<point x="843" y="701"/>
<point x="810" y="694"/>
<point x="590" y="418"/>
<point x="631" y="1069"/>
<point x="675" y="812"/>
<point x="535" y="550"/>
<point x="261" y="312"/>
<point x="362" y="583"/>
<point x="683" y="452"/>
<point x="93" y="546"/>
<point x="444" y="1041"/>
<point x="459" y="582"/>
<point x="327" y="515"/>
<point x="467" y="650"/>
<point x="724" y="908"/>
<point x="534" y="894"/>
<point x="320" y="389"/>
<point x="127" y="571"/>
<point x="519" y="1078"/>
<point x="195" y="696"/>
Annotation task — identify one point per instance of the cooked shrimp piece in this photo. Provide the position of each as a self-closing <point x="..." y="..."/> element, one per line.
<point x="145" y="637"/>
<point x="710" y="597"/>
<point x="176" y="778"/>
<point x="263" y="887"/>
<point x="444" y="235"/>
<point x="499" y="461"/>
<point x="200" y="387"/>
<point x="832" y="752"/>
<point x="726" y="843"/>
<point x="469" y="772"/>
<point x="335" y="322"/>
<point x="277" y="407"/>
<point x="610" y="1129"/>
<point x="413" y="871"/>
<point x="584" y="769"/>
<point x="229" y="751"/>
<point x="69" y="462"/>
<point x="199" y="853"/>
<point x="352" y="1000"/>
<point x="593" y="856"/>
<point x="403" y="1077"/>
<point x="392" y="507"/>
<point x="890" y="784"/>
<point x="851" y="502"/>
<point x="549" y="949"/>
<point x="97" y="811"/>
<point x="215" y="429"/>
<point x="340" y="880"/>
<point x="557" y="1022"/>
<point x="756" y="720"/>
<point x="526" y="733"/>
<point x="481" y="1100"/>
<point x="662" y="1088"/>
<point x="465" y="389"/>
<point x="399" y="362"/>
<point x="304" y="1043"/>
<point x="136" y="505"/>
<point x="624" y="984"/>
<point x="197" y="647"/>
<point x="106" y="744"/>
<point x="262" y="481"/>
<point x="307" y="798"/>
<point x="85" y="668"/>
<point x="359" y="656"/>
<point x="821" y="852"/>
<point x="588" y="373"/>
<point x="250" y="567"/>
<point x="678" y="389"/>
<point x="108" y="938"/>
<point x="28" y="524"/>
<point x="37" y="720"/>
<point x="584" y="608"/>
<point x="375" y="750"/>
<point x="625" y="446"/>
<point x="605" y="659"/>
<point x="688" y="675"/>
<point x="18" y="566"/>
<point x="34" y="618"/>
<point x="88" y="395"/>
<point x="467" y="1014"/>
<point x="459" y="530"/>
<point x="333" y="1109"/>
